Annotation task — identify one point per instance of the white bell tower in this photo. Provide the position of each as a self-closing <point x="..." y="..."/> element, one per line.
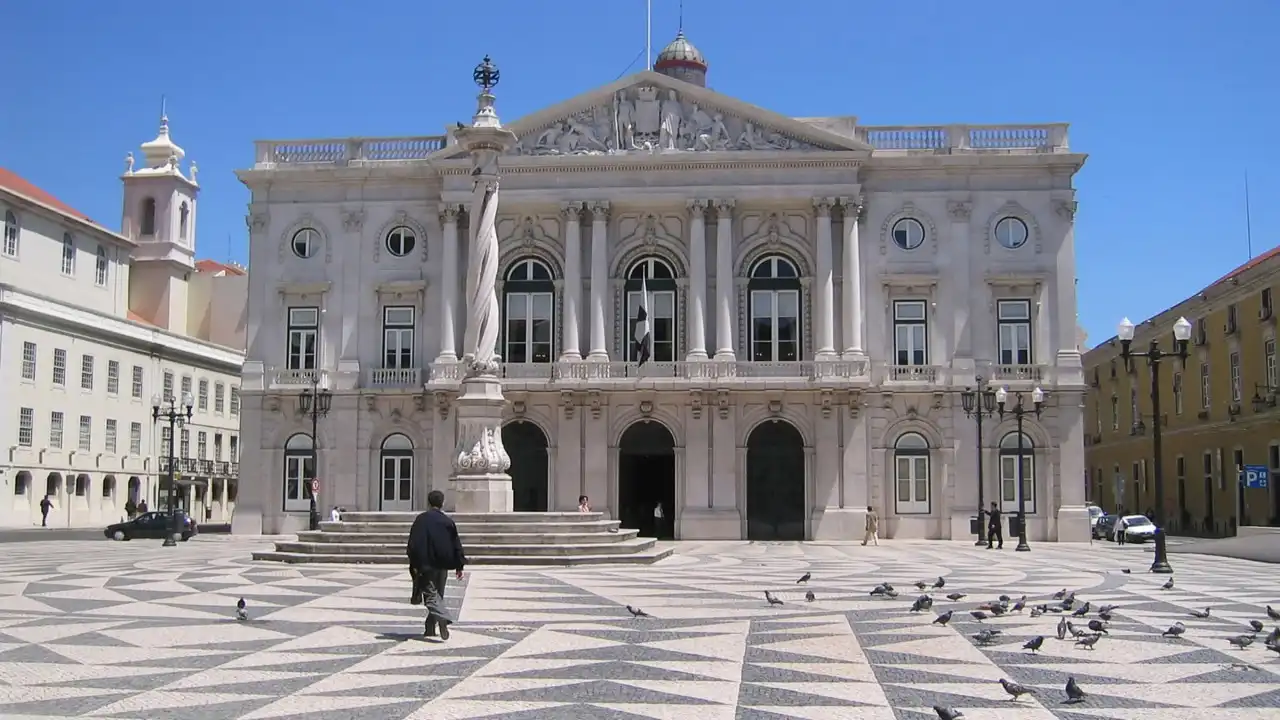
<point x="160" y="215"/>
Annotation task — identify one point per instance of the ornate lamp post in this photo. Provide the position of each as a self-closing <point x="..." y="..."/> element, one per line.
<point x="1019" y="411"/>
<point x="315" y="401"/>
<point x="1153" y="354"/>
<point x="979" y="405"/>
<point x="176" y="414"/>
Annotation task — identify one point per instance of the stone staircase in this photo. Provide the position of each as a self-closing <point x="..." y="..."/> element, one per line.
<point x="554" y="538"/>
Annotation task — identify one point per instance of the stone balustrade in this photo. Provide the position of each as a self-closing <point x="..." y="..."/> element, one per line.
<point x="343" y="151"/>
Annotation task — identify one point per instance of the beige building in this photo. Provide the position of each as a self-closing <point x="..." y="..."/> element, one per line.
<point x="1218" y="410"/>
<point x="93" y="324"/>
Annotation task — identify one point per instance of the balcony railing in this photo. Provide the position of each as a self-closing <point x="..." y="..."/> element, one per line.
<point x="1018" y="373"/>
<point x="664" y="372"/>
<point x="1049" y="138"/>
<point x="922" y="374"/>
<point x="270" y="154"/>
<point x="284" y="378"/>
<point x="389" y="378"/>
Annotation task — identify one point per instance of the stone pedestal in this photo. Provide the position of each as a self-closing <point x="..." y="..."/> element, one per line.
<point x="480" y="481"/>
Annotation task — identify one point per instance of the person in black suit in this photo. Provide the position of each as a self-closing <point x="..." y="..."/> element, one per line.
<point x="995" y="533"/>
<point x="434" y="549"/>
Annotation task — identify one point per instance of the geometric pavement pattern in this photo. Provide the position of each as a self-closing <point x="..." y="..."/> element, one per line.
<point x="131" y="630"/>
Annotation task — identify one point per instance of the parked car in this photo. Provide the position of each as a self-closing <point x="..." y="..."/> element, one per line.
<point x="1105" y="527"/>
<point x="1136" y="528"/>
<point x="152" y="526"/>
<point x="1095" y="512"/>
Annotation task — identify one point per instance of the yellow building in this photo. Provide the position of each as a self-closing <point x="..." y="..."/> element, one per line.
<point x="1218" y="409"/>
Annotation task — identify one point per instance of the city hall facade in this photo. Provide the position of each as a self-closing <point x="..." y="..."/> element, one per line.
<point x="819" y="293"/>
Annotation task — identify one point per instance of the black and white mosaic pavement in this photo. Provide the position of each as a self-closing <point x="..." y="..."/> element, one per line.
<point x="133" y="630"/>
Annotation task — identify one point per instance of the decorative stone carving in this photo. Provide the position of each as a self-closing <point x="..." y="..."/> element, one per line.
<point x="273" y="404"/>
<point x="396" y="415"/>
<point x="646" y="407"/>
<point x="1066" y="209"/>
<point x="419" y="403"/>
<point x="256" y="222"/>
<point x="1013" y="209"/>
<point x="480" y="340"/>
<point x="400" y="219"/>
<point x="192" y="172"/>
<point x="823" y="206"/>
<point x="371" y="403"/>
<point x="567" y="402"/>
<point x="722" y="404"/>
<point x="571" y="211"/>
<point x="594" y="401"/>
<point x="908" y="210"/>
<point x="518" y="408"/>
<point x="128" y="164"/>
<point x="647" y="118"/>
<point x="854" y="208"/>
<point x="695" y="404"/>
<point x="775" y="407"/>
<point x="305" y="220"/>
<point x="353" y="220"/>
<point x="825" y="401"/>
<point x="773" y="233"/>
<point x="443" y="400"/>
<point x="959" y="210"/>
<point x="480" y="451"/>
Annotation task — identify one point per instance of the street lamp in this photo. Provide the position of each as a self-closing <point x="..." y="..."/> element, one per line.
<point x="1153" y="354"/>
<point x="1019" y="411"/>
<point x="979" y="405"/>
<point x="314" y="401"/>
<point x="176" y="414"/>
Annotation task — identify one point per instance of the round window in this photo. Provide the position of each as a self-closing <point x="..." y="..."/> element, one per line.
<point x="1011" y="233"/>
<point x="306" y="242"/>
<point x="400" y="241"/>
<point x="908" y="233"/>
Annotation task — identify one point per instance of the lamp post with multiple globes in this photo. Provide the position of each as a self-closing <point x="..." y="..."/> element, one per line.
<point x="979" y="405"/>
<point x="1019" y="411"/>
<point x="314" y="401"/>
<point x="1153" y="354"/>
<point x="176" y="414"/>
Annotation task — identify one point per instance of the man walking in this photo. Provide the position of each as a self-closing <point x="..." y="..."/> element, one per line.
<point x="995" y="533"/>
<point x="45" y="506"/>
<point x="872" y="533"/>
<point x="434" y="549"/>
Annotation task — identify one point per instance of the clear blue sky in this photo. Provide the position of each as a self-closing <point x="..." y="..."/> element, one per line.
<point x="1173" y="100"/>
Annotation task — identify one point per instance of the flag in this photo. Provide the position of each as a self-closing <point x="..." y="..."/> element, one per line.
<point x="640" y="329"/>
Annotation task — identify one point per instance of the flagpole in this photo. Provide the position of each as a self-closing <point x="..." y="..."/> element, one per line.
<point x="648" y="34"/>
<point x="1248" y="222"/>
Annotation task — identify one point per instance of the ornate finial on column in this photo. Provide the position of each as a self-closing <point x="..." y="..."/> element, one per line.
<point x="486" y="75"/>
<point x="697" y="207"/>
<point x="724" y="206"/>
<point x="854" y="207"/>
<point x="571" y="210"/>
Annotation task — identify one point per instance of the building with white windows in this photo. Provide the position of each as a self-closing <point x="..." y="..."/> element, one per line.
<point x="93" y="323"/>
<point x="820" y="292"/>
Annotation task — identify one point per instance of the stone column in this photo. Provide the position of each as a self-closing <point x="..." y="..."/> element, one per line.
<point x="697" y="306"/>
<point x="852" y="281"/>
<point x="448" y="284"/>
<point x="572" y="212"/>
<point x="824" y="293"/>
<point x="724" y="281"/>
<point x="599" y="279"/>
<point x="959" y="284"/>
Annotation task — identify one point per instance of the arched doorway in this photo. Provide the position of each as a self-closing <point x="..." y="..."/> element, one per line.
<point x="53" y="486"/>
<point x="775" y="482"/>
<point x="526" y="445"/>
<point x="396" y="458"/>
<point x="22" y="483"/>
<point x="646" y="477"/>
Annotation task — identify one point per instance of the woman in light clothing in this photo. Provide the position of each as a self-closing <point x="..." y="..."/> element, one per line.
<point x="873" y="528"/>
<point x="583" y="504"/>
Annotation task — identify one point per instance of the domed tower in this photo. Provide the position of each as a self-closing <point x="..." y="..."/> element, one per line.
<point x="682" y="61"/>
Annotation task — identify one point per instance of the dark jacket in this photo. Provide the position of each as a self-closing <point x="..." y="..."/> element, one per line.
<point x="434" y="542"/>
<point x="994" y="519"/>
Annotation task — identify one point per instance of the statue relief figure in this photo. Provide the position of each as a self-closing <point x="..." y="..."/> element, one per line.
<point x="585" y="137"/>
<point x="672" y="114"/>
<point x="548" y="141"/>
<point x="750" y="139"/>
<point x="626" y="124"/>
<point x="647" y="115"/>
<point x="719" y="139"/>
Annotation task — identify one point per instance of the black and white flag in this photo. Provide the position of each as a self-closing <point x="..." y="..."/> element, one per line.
<point x="640" y="327"/>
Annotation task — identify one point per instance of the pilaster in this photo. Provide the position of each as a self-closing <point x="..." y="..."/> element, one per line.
<point x="571" y="320"/>
<point x="824" y="284"/>
<point x="724" y="281"/>
<point x="599" y="279"/>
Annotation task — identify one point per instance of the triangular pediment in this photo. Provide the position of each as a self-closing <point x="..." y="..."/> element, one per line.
<point x="652" y="113"/>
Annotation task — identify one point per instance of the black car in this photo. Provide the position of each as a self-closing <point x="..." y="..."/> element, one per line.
<point x="151" y="526"/>
<point x="1105" y="528"/>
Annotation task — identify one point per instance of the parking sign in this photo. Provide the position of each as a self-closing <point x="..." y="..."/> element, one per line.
<point x="1255" y="477"/>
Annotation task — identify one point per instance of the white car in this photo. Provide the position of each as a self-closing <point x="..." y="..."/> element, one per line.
<point x="1095" y="512"/>
<point x="1136" y="528"/>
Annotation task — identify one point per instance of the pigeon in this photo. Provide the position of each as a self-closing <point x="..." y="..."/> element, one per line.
<point x="1098" y="626"/>
<point x="955" y="597"/>
<point x="1062" y="629"/>
<point x="1036" y="612"/>
<point x="921" y="584"/>
<point x="1034" y="643"/>
<point x="1105" y="616"/>
<point x="986" y="637"/>
<point x="809" y="596"/>
<point x="1005" y="599"/>
<point x="1175" y="630"/>
<point x="1060" y="594"/>
<point x="772" y="600"/>
<point x="1202" y="614"/>
<point x="891" y="593"/>
<point x="804" y="578"/>
<point x="1274" y="637"/>
<point x="242" y="613"/>
<point x="1241" y="641"/>
<point x="882" y="589"/>
<point x="1020" y="605"/>
<point x="979" y="615"/>
<point x="947" y="713"/>
<point x="919" y="604"/>
<point x="1088" y="641"/>
<point x="1256" y="625"/>
<point x="1273" y="613"/>
<point x="1075" y="631"/>
<point x="943" y="619"/>
<point x="1125" y="571"/>
<point x="459" y="125"/>
<point x="1168" y="585"/>
<point x="637" y="612"/>
<point x="1081" y="611"/>
<point x="1074" y="693"/>
<point x="940" y="583"/>
<point x="1014" y="689"/>
<point x="997" y="610"/>
<point x="1108" y="608"/>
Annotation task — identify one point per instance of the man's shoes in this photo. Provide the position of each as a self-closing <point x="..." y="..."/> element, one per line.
<point x="444" y="631"/>
<point x="415" y="598"/>
<point x="430" y="633"/>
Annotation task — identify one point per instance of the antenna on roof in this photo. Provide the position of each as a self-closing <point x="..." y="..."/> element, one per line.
<point x="1248" y="224"/>
<point x="163" y="114"/>
<point x="681" y="26"/>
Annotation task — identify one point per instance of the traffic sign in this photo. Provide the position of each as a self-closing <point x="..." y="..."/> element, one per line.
<point x="1255" y="476"/>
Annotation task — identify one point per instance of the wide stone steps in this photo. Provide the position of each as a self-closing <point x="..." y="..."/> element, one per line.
<point x="559" y="538"/>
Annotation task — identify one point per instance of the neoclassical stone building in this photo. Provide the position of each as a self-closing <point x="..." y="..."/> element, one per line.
<point x="820" y="292"/>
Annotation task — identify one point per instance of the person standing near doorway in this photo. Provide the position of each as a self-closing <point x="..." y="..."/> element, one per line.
<point x="45" y="506"/>
<point x="659" y="520"/>
<point x="434" y="549"/>
<point x="995" y="532"/>
<point x="584" y="504"/>
<point x="872" y="533"/>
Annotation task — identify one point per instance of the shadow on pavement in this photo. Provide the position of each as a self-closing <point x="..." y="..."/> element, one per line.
<point x="1259" y="548"/>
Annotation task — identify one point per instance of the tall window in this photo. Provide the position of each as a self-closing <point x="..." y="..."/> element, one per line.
<point x="86" y="372"/>
<point x="68" y="254"/>
<point x="1014" y="317"/>
<point x="184" y="443"/>
<point x="1268" y="363"/>
<point x="1134" y="411"/>
<point x="217" y="446"/>
<point x="100" y="267"/>
<point x="1204" y="386"/>
<point x="299" y="468"/>
<point x="910" y="333"/>
<point x="1177" y="393"/>
<point x="219" y="398"/>
<point x="1009" y="472"/>
<point x="303" y="336"/>
<point x="109" y="439"/>
<point x="660" y="282"/>
<point x="529" y="299"/>
<point x="86" y="433"/>
<point x="1236" y="391"/>
<point x="397" y="338"/>
<point x="57" y="426"/>
<point x="235" y="400"/>
<point x="28" y="361"/>
<point x="166" y="440"/>
<point x="60" y="367"/>
<point x="26" y="426"/>
<point x="186" y="385"/>
<point x="148" y="221"/>
<point x="774" y="286"/>
<point x="184" y="213"/>
<point x="113" y="377"/>
<point x="10" y="234"/>
<point x="202" y="445"/>
<point x="135" y="438"/>
<point x="233" y="449"/>
<point x="135" y="382"/>
<point x="202" y="396"/>
<point x="911" y="474"/>
<point x="168" y="385"/>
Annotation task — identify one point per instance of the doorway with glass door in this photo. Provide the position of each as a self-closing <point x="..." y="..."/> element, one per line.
<point x="397" y="474"/>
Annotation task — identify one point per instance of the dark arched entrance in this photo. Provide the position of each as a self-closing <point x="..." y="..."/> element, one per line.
<point x="526" y="444"/>
<point x="775" y="482"/>
<point x="646" y="477"/>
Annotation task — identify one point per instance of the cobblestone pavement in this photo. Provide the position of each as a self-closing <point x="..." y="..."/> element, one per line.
<point x="133" y="630"/>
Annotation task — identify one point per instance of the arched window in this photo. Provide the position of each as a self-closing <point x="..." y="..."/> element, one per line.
<point x="68" y="254"/>
<point x="658" y="281"/>
<point x="1009" y="464"/>
<point x="299" y="470"/>
<point x="911" y="474"/>
<point x="10" y="234"/>
<point x="100" y="267"/>
<point x="147" y="220"/>
<point x="184" y="213"/>
<point x="529" y="299"/>
<point x="108" y="486"/>
<point x="82" y="485"/>
<point x="774" y="285"/>
<point x="397" y="472"/>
